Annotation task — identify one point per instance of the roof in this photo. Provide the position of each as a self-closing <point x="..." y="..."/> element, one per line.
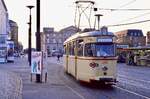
<point x="88" y="34"/>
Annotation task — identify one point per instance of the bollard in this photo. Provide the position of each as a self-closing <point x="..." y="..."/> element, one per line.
<point x="31" y="77"/>
<point x="45" y="77"/>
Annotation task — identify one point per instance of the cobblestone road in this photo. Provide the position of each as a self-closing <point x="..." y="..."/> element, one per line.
<point x="10" y="85"/>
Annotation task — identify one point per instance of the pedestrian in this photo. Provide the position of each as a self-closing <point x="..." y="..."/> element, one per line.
<point x="58" y="56"/>
<point x="135" y="60"/>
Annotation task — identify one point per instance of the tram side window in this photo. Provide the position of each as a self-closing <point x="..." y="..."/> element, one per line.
<point x="65" y="49"/>
<point x="88" y="50"/>
<point x="80" y="47"/>
<point x="80" y="50"/>
<point x="71" y="49"/>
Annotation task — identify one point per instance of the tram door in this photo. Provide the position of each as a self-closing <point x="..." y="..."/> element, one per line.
<point x="75" y="51"/>
<point x="65" y="58"/>
<point x="71" y="58"/>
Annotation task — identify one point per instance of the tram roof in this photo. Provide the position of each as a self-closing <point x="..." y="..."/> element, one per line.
<point x="89" y="34"/>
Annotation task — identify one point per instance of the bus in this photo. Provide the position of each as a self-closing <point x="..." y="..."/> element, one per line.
<point x="10" y="51"/>
<point x="91" y="57"/>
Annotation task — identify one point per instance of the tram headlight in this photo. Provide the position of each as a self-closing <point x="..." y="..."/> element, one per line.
<point x="104" y="68"/>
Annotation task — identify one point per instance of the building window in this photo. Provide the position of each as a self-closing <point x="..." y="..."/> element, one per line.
<point x="135" y="33"/>
<point x="80" y="48"/>
<point x="50" y="40"/>
<point x="47" y="40"/>
<point x="131" y="34"/>
<point x="139" y="34"/>
<point x="59" y="41"/>
<point x="47" y="35"/>
<point x="54" y="35"/>
<point x="54" y="40"/>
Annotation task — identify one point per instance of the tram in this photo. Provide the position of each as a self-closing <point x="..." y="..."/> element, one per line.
<point x="91" y="56"/>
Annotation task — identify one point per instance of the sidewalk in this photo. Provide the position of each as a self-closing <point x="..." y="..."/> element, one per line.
<point x="10" y="85"/>
<point x="54" y="88"/>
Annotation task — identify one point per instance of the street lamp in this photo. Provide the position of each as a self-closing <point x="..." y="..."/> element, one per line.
<point x="38" y="36"/>
<point x="98" y="18"/>
<point x="29" y="38"/>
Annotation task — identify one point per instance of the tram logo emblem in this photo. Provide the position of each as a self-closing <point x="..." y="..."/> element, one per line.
<point x="93" y="64"/>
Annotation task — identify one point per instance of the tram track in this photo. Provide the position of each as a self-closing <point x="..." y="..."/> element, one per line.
<point x="80" y="91"/>
<point x="130" y="78"/>
<point x="65" y="79"/>
<point x="102" y="92"/>
<point x="131" y="92"/>
<point x="132" y="84"/>
<point x="123" y="89"/>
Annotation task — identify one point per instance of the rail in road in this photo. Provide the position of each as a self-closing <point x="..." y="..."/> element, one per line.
<point x="121" y="85"/>
<point x="128" y="87"/>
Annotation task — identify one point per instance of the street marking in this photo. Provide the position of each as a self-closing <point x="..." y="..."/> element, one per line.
<point x="82" y="97"/>
<point x="145" y="97"/>
<point x="134" y="79"/>
<point x="137" y="85"/>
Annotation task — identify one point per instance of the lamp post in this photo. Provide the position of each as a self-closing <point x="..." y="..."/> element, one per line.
<point x="98" y="18"/>
<point x="29" y="38"/>
<point x="38" y="36"/>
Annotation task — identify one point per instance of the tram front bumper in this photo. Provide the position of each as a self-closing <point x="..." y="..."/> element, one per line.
<point x="105" y="79"/>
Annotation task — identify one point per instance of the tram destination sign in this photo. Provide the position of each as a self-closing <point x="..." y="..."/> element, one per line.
<point x="104" y="40"/>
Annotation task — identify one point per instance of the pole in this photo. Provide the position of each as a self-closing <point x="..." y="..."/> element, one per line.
<point x="29" y="38"/>
<point x="98" y="19"/>
<point x="38" y="37"/>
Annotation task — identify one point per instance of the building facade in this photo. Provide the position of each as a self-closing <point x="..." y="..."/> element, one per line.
<point x="54" y="40"/>
<point x="4" y="31"/>
<point x="69" y="31"/>
<point x="13" y="31"/>
<point x="43" y="43"/>
<point x="148" y="38"/>
<point x="4" y="26"/>
<point x="14" y="34"/>
<point x="131" y="37"/>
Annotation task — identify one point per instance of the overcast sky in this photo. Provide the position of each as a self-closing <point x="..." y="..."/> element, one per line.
<point x="60" y="14"/>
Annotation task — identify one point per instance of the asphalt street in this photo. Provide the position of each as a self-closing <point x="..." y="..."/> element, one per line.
<point x="133" y="83"/>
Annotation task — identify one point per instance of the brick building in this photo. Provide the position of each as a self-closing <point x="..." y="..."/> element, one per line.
<point x="54" y="40"/>
<point x="131" y="37"/>
<point x="148" y="38"/>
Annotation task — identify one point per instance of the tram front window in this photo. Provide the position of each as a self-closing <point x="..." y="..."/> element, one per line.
<point x="96" y="50"/>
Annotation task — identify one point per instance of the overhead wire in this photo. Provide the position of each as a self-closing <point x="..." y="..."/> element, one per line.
<point x="128" y="3"/>
<point x="141" y="15"/>
<point x="137" y="22"/>
<point x="121" y="9"/>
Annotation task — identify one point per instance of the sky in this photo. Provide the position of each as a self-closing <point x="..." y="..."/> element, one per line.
<point x="60" y="14"/>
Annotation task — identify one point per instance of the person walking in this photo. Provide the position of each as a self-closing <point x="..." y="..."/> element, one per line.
<point x="135" y="60"/>
<point x="58" y="56"/>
